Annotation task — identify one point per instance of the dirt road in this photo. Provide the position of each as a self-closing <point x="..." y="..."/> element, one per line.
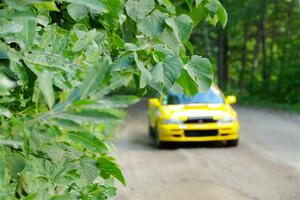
<point x="265" y="165"/>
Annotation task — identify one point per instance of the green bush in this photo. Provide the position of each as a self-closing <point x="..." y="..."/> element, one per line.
<point x="62" y="64"/>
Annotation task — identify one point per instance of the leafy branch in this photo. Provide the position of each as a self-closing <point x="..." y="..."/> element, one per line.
<point x="68" y="68"/>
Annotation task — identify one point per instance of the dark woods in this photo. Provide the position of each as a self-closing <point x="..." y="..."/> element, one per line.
<point x="257" y="55"/>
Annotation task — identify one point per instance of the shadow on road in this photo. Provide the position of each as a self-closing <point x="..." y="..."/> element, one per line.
<point x="145" y="141"/>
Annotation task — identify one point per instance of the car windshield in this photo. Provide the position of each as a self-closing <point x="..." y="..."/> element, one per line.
<point x="212" y="96"/>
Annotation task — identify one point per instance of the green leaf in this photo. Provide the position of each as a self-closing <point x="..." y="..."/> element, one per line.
<point x="158" y="73"/>
<point x="84" y="41"/>
<point x="49" y="5"/>
<point x="123" y="100"/>
<point x="54" y="152"/>
<point x="123" y="62"/>
<point x="2" y="173"/>
<point x="10" y="27"/>
<point x="198" y="2"/>
<point x="113" y="17"/>
<point x="108" y="167"/>
<point x="138" y="9"/>
<point x="15" y="163"/>
<point x="92" y="53"/>
<point x="16" y="4"/>
<point x="182" y="26"/>
<point x="189" y="86"/>
<point x="216" y="7"/>
<point x="118" y="101"/>
<point x="62" y="197"/>
<point x="6" y="84"/>
<point x="89" y="141"/>
<point x="222" y="14"/>
<point x="46" y="86"/>
<point x="88" y="116"/>
<point x="145" y="77"/>
<point x="96" y="5"/>
<point x="171" y="66"/>
<point x="43" y="20"/>
<point x="201" y="72"/>
<point x="198" y="14"/>
<point x="169" y="69"/>
<point x="77" y="11"/>
<point x="47" y="38"/>
<point x="5" y="112"/>
<point x="67" y="124"/>
<point x="189" y="46"/>
<point x="94" y="78"/>
<point x="153" y="24"/>
<point x="89" y="169"/>
<point x="168" y="37"/>
<point x="28" y="32"/>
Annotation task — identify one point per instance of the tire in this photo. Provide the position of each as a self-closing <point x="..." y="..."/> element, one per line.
<point x="232" y="143"/>
<point x="151" y="132"/>
<point x="157" y="143"/>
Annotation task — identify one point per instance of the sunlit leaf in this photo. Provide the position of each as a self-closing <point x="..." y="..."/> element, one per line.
<point x="138" y="9"/>
<point x="182" y="26"/>
<point x="96" y="5"/>
<point x="89" y="169"/>
<point x="10" y="27"/>
<point x="216" y="7"/>
<point x="189" y="86"/>
<point x="108" y="167"/>
<point x="77" y="11"/>
<point x="46" y="85"/>
<point x="89" y="141"/>
<point x="145" y="74"/>
<point x="49" y="5"/>
<point x="86" y="116"/>
<point x="94" y="77"/>
<point x="153" y="24"/>
<point x="200" y="71"/>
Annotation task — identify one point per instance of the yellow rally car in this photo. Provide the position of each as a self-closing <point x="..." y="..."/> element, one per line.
<point x="204" y="117"/>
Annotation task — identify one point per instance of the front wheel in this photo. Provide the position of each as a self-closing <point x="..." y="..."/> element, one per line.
<point x="232" y="143"/>
<point x="157" y="143"/>
<point x="151" y="132"/>
<point x="156" y="140"/>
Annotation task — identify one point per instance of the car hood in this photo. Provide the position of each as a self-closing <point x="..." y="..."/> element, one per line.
<point x="216" y="111"/>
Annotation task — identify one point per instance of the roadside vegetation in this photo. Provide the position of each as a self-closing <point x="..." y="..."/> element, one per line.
<point x="62" y="66"/>
<point x="257" y="55"/>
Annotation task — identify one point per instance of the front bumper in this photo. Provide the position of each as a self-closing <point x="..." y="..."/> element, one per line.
<point x="178" y="132"/>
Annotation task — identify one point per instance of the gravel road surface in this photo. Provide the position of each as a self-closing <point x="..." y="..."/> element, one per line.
<point x="265" y="165"/>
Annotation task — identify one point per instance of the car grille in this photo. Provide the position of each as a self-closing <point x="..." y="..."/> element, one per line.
<point x="200" y="133"/>
<point x="199" y="120"/>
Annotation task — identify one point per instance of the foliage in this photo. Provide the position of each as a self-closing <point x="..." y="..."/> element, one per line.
<point x="63" y="66"/>
<point x="260" y="45"/>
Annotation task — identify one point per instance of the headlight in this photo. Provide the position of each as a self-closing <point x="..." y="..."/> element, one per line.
<point x="227" y="119"/>
<point x="172" y="121"/>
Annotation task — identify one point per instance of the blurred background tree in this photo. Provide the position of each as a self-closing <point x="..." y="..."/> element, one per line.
<point x="257" y="55"/>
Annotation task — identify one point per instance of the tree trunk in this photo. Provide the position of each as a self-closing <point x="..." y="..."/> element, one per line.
<point x="222" y="59"/>
<point x="243" y="58"/>
<point x="265" y="66"/>
<point x="260" y="40"/>
<point x="255" y="57"/>
<point x="272" y="63"/>
<point x="207" y="42"/>
<point x="283" y="45"/>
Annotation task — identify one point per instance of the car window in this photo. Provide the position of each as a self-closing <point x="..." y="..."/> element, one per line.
<point x="211" y="96"/>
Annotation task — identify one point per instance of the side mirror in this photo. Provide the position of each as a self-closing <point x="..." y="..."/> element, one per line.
<point x="230" y="99"/>
<point x="154" y="102"/>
